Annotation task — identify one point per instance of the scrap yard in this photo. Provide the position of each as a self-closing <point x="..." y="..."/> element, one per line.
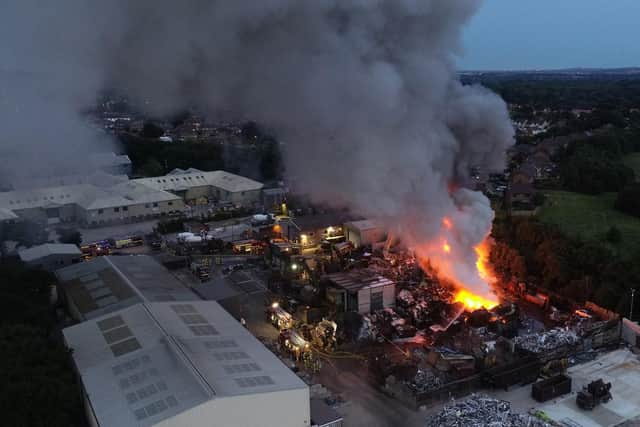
<point x="415" y="337"/>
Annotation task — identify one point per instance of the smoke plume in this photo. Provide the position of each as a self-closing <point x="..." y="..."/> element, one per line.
<point x="363" y="93"/>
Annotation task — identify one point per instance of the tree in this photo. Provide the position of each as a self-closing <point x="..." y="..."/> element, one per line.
<point x="628" y="200"/>
<point x="69" y="235"/>
<point x="151" y="130"/>
<point x="152" y="167"/>
<point x="613" y="235"/>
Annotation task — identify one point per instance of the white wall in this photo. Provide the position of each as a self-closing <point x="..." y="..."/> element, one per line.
<point x="290" y="408"/>
<point x="136" y="212"/>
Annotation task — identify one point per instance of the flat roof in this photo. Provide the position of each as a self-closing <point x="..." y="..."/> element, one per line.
<point x="362" y="225"/>
<point x="148" y="362"/>
<point x="354" y="280"/>
<point x="41" y="251"/>
<point x="109" y="283"/>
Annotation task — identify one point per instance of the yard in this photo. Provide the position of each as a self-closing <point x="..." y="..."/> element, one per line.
<point x="589" y="217"/>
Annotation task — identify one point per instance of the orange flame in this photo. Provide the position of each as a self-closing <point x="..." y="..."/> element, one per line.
<point x="472" y="301"/>
<point x="446" y="222"/>
<point x="446" y="248"/>
<point x="482" y="262"/>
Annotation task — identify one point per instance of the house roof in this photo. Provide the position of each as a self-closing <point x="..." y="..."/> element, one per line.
<point x="41" y="251"/>
<point x="148" y="362"/>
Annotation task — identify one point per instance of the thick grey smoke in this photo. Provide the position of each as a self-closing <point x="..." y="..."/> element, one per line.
<point x="362" y="92"/>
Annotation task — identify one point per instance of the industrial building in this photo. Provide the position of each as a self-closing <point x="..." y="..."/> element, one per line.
<point x="363" y="291"/>
<point x="194" y="185"/>
<point x="51" y="256"/>
<point x="182" y="364"/>
<point x="109" y="283"/>
<point x="116" y="199"/>
<point x="364" y="233"/>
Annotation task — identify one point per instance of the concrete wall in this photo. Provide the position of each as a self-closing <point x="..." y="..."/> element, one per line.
<point x="289" y="408"/>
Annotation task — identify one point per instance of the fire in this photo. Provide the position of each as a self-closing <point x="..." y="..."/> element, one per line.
<point x="446" y="222"/>
<point x="482" y="262"/>
<point x="472" y="282"/>
<point x="472" y="301"/>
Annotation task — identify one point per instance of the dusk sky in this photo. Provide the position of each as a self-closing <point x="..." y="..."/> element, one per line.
<point x="548" y="34"/>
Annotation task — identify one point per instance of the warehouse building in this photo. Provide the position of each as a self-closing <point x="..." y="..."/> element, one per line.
<point x="109" y="283"/>
<point x="91" y="205"/>
<point x="95" y="201"/>
<point x="194" y="185"/>
<point x="182" y="364"/>
<point x="360" y="290"/>
<point x="51" y="256"/>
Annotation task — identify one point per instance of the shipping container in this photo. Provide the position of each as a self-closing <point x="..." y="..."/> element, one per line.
<point x="551" y="387"/>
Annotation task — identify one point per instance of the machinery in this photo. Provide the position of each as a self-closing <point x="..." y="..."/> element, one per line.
<point x="593" y="394"/>
<point x="279" y="317"/>
<point x="324" y="335"/>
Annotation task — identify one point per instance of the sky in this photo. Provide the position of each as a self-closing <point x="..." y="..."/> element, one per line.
<point x="552" y="34"/>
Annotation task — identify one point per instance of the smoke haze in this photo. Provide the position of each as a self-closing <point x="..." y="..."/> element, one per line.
<point x="362" y="92"/>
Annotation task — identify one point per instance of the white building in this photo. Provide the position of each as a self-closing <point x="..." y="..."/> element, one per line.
<point x="116" y="199"/>
<point x="361" y="290"/>
<point x="196" y="185"/>
<point x="364" y="232"/>
<point x="182" y="364"/>
<point x="109" y="283"/>
<point x="51" y="256"/>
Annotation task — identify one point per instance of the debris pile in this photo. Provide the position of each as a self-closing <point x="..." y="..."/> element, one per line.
<point x="547" y="341"/>
<point x="482" y="411"/>
<point x="424" y="381"/>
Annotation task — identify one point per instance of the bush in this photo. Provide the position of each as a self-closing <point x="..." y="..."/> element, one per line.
<point x="628" y="200"/>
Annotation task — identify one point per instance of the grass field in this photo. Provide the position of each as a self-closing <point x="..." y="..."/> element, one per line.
<point x="633" y="161"/>
<point x="589" y="217"/>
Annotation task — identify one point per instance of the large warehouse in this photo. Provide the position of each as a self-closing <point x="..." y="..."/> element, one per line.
<point x="193" y="184"/>
<point x="119" y="200"/>
<point x="182" y="364"/>
<point x="109" y="283"/>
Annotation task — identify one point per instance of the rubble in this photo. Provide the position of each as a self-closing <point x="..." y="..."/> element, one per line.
<point x="424" y="381"/>
<point x="482" y="411"/>
<point x="546" y="341"/>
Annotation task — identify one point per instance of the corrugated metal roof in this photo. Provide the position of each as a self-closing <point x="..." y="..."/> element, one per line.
<point x="169" y="368"/>
<point x="355" y="280"/>
<point x="178" y="180"/>
<point x="41" y="251"/>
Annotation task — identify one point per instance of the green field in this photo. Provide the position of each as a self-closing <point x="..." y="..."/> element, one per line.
<point x="589" y="217"/>
<point x="633" y="161"/>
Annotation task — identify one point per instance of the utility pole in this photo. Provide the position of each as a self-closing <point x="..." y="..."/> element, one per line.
<point x="633" y="291"/>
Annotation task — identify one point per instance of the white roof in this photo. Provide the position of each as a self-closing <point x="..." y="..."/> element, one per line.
<point x="7" y="214"/>
<point x="180" y="180"/>
<point x="109" y="283"/>
<point x="88" y="196"/>
<point x="362" y="225"/>
<point x="41" y="251"/>
<point x="149" y="362"/>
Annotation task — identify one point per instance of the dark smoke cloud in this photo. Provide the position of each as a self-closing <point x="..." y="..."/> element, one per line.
<point x="362" y="92"/>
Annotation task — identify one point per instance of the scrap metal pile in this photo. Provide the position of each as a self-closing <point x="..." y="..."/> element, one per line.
<point x="547" y="341"/>
<point x="424" y="381"/>
<point x="482" y="411"/>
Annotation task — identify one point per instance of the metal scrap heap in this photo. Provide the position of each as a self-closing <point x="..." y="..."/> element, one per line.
<point x="424" y="381"/>
<point x="482" y="411"/>
<point x="547" y="341"/>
